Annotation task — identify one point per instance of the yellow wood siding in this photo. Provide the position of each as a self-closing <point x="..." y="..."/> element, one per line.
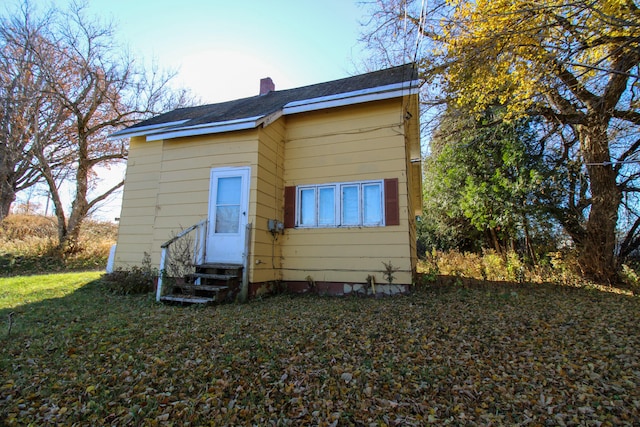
<point x="138" y="203"/>
<point x="184" y="181"/>
<point x="266" y="253"/>
<point x="363" y="142"/>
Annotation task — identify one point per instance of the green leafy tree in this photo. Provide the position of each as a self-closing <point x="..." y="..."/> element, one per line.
<point x="481" y="181"/>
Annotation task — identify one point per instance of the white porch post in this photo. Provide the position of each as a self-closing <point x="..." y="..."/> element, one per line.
<point x="244" y="288"/>
<point x="202" y="241"/>
<point x="163" y="257"/>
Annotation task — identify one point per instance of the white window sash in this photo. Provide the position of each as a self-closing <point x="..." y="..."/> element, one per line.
<point x="338" y="205"/>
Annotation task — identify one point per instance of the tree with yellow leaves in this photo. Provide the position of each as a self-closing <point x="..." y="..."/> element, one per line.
<point x="574" y="63"/>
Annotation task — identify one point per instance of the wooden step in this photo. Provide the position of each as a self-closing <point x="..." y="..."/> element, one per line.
<point x="218" y="266"/>
<point x="211" y="276"/>
<point x="220" y="282"/>
<point x="187" y="299"/>
<point x="210" y="288"/>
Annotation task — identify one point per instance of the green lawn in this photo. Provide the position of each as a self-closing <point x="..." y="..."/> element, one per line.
<point x="485" y="355"/>
<point x="23" y="290"/>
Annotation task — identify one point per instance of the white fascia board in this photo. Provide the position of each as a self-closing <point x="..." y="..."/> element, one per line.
<point x="143" y="130"/>
<point x="378" y="89"/>
<point x="207" y="128"/>
<point x="343" y="101"/>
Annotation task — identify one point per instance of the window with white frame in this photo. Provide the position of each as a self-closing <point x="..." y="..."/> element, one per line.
<point x="347" y="204"/>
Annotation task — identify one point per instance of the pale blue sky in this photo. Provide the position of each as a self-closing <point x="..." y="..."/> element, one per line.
<point x="222" y="48"/>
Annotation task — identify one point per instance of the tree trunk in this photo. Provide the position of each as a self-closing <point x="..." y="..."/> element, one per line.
<point x="597" y="257"/>
<point x="80" y="205"/>
<point x="69" y="242"/>
<point x="7" y="191"/>
<point x="6" y="199"/>
<point x="527" y="241"/>
<point x="495" y="241"/>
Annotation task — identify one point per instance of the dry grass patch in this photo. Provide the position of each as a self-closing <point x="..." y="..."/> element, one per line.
<point x="28" y="246"/>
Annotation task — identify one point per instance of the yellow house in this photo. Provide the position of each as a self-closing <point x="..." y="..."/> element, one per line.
<point x="313" y="188"/>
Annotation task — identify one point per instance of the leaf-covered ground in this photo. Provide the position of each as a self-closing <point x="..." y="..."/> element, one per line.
<point x="489" y="355"/>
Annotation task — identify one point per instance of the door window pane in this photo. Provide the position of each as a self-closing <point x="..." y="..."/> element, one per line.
<point x="350" y="205"/>
<point x="228" y="204"/>
<point x="327" y="206"/>
<point x="372" y="204"/>
<point x="229" y="190"/>
<point x="308" y="207"/>
<point x="227" y="219"/>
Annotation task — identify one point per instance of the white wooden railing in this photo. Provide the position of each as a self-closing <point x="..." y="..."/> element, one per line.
<point x="198" y="250"/>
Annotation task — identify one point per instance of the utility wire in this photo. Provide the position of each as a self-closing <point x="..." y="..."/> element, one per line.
<point x="613" y="162"/>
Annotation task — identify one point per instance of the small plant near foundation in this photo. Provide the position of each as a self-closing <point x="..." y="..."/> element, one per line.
<point x="370" y="283"/>
<point x="371" y="280"/>
<point x="389" y="269"/>
<point x="311" y="283"/>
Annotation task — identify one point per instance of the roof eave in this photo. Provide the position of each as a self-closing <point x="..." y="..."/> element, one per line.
<point x="346" y="99"/>
<point x="174" y="130"/>
<point x="206" y="128"/>
<point x="143" y="130"/>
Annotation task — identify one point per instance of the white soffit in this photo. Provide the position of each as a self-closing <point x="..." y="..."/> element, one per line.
<point x="206" y="128"/>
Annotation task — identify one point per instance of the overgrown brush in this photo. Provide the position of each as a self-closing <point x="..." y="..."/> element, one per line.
<point x="29" y="244"/>
<point x="556" y="267"/>
<point x="134" y="280"/>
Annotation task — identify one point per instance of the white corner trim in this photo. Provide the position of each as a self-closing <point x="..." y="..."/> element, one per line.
<point x="206" y="128"/>
<point x="143" y="130"/>
<point x="314" y="104"/>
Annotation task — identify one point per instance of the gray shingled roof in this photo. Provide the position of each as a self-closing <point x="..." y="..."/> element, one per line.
<point x="263" y="105"/>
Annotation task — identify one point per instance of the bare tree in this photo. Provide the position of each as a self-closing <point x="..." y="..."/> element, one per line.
<point x="25" y="105"/>
<point x="79" y="86"/>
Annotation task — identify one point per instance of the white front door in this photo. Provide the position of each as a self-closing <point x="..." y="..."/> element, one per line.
<point x="228" y="211"/>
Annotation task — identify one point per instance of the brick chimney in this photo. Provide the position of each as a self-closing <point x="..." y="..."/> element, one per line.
<point x="266" y="86"/>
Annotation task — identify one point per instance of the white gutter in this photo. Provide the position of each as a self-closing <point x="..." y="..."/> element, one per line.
<point x="317" y="104"/>
<point x="392" y="87"/>
<point x="143" y="130"/>
<point x="206" y="128"/>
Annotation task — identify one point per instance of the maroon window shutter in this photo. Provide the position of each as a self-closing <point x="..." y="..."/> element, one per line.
<point x="391" y="202"/>
<point x="289" y="207"/>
